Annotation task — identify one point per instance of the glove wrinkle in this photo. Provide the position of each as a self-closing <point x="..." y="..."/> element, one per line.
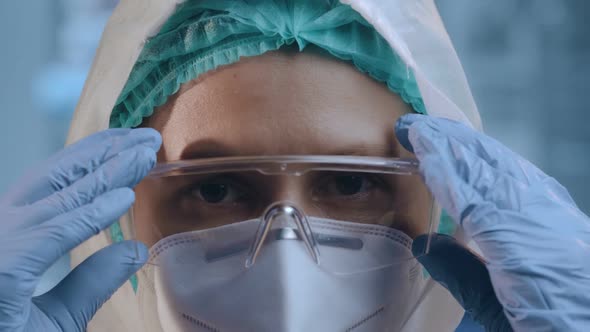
<point x="525" y="223"/>
<point x="465" y="276"/>
<point x="77" y="194"/>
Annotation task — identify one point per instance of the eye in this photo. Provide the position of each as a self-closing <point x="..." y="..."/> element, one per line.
<point x="212" y="200"/>
<point x="347" y="185"/>
<point x="217" y="191"/>
<point x="213" y="192"/>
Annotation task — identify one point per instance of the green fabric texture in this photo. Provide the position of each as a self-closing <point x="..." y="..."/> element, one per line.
<point x="205" y="34"/>
<point x="446" y="225"/>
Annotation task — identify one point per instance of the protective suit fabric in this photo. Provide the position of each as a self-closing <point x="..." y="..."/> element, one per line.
<point x="203" y="35"/>
<point x="412" y="28"/>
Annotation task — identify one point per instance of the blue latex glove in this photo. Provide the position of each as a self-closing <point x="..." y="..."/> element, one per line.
<point x="76" y="194"/>
<point x="534" y="239"/>
<point x="465" y="275"/>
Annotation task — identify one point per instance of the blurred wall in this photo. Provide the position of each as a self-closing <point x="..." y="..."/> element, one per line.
<point x="528" y="63"/>
<point x="27" y="35"/>
<point x="47" y="49"/>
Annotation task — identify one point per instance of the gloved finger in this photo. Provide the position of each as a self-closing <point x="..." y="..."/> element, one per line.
<point x="452" y="193"/>
<point x="465" y="276"/>
<point x="124" y="170"/>
<point x="75" y="300"/>
<point x="53" y="239"/>
<point x="415" y="129"/>
<point x="489" y="149"/>
<point x="494" y="209"/>
<point x="76" y="161"/>
<point x="458" y="178"/>
<point x="475" y="194"/>
<point x="465" y="168"/>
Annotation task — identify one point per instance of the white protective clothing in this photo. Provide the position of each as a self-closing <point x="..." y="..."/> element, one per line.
<point x="412" y="27"/>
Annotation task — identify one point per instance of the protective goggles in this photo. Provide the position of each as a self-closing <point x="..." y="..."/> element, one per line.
<point x="231" y="208"/>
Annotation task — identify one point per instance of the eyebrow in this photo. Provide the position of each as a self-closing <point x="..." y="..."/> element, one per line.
<point x="207" y="148"/>
<point x="375" y="150"/>
<point x="211" y="148"/>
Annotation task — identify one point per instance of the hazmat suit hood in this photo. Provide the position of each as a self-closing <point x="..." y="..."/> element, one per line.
<point x="415" y="32"/>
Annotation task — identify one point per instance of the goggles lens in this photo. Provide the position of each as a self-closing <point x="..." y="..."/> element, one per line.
<point x="338" y="202"/>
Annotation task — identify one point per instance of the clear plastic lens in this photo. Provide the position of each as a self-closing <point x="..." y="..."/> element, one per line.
<point x="338" y="204"/>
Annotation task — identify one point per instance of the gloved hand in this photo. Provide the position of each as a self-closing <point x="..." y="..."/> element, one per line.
<point x="76" y="194"/>
<point x="534" y="239"/>
<point x="465" y="275"/>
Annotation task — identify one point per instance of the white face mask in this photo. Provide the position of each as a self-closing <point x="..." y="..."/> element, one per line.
<point x="195" y="287"/>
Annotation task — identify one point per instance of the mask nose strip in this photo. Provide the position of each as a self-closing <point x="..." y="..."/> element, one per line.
<point x="281" y="212"/>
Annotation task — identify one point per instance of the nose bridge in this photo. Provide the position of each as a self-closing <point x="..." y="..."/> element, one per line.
<point x="289" y="188"/>
<point x="286" y="222"/>
<point x="297" y="190"/>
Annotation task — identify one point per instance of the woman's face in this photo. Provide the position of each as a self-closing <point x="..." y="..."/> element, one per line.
<point x="280" y="103"/>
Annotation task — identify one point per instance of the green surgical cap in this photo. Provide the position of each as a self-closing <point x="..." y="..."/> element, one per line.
<point x="205" y="34"/>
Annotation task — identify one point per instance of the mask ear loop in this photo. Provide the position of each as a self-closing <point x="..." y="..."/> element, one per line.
<point x="266" y="221"/>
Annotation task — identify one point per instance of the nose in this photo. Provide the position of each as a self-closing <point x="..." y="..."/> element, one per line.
<point x="287" y="188"/>
<point x="289" y="221"/>
<point x="296" y="190"/>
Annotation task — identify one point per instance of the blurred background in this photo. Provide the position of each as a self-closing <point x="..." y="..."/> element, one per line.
<point x="527" y="62"/>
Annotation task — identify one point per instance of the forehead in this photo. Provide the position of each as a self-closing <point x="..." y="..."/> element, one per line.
<point x="280" y="103"/>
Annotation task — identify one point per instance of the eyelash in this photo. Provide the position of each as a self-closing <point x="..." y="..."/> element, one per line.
<point x="226" y="179"/>
<point x="374" y="181"/>
<point x="323" y="180"/>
